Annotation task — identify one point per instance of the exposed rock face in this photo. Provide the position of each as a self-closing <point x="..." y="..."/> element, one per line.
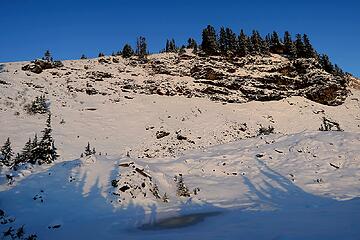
<point x="201" y="72"/>
<point x="98" y="76"/>
<point x="161" y="134"/>
<point x="134" y="182"/>
<point x="354" y="82"/>
<point x="38" y="66"/>
<point x="230" y="80"/>
<point x="251" y="78"/>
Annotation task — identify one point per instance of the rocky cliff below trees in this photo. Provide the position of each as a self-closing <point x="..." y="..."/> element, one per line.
<point x="239" y="80"/>
<point x="218" y="78"/>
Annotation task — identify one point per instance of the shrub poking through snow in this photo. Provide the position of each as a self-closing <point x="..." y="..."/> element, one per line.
<point x="181" y="189"/>
<point x="196" y="191"/>
<point x="88" y="151"/>
<point x="165" y="198"/>
<point x="17" y="234"/>
<point x="114" y="183"/>
<point x="329" y="125"/>
<point x="265" y="130"/>
<point x="37" y="106"/>
<point x="155" y="191"/>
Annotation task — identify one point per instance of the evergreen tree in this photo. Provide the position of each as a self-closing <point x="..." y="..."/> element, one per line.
<point x="18" y="160"/>
<point x="47" y="148"/>
<point x="141" y="47"/>
<point x="88" y="151"/>
<point x="231" y="41"/>
<point x="195" y="49"/>
<point x="265" y="47"/>
<point x="167" y="46"/>
<point x="326" y="63"/>
<point x="26" y="153"/>
<point x="182" y="189"/>
<point x="287" y="42"/>
<point x="6" y="154"/>
<point x="173" y="47"/>
<point x="289" y="46"/>
<point x="267" y="40"/>
<point x="275" y="44"/>
<point x="35" y="150"/>
<point x="209" y="44"/>
<point x="39" y="105"/>
<point x="127" y="51"/>
<point x="256" y="42"/>
<point x="309" y="51"/>
<point x="191" y="43"/>
<point x="242" y="44"/>
<point x="222" y="42"/>
<point x="182" y="50"/>
<point x="47" y="56"/>
<point x="338" y="71"/>
<point x="227" y="42"/>
<point x="300" y="48"/>
<point x="170" y="46"/>
<point x="249" y="45"/>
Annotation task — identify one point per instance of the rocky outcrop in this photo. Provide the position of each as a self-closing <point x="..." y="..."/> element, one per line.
<point x="98" y="75"/>
<point x="161" y="134"/>
<point x="229" y="80"/>
<point x="245" y="79"/>
<point x="38" y="65"/>
<point x="200" y="72"/>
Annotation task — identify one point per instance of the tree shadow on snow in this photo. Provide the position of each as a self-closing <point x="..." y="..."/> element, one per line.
<point x="286" y="212"/>
<point x="278" y="191"/>
<point x="294" y="213"/>
<point x="55" y="197"/>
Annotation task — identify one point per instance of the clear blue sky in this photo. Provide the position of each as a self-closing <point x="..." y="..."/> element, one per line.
<point x="70" y="28"/>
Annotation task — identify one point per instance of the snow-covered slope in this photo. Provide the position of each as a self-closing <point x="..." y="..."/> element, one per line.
<point x="264" y="181"/>
<point x="240" y="184"/>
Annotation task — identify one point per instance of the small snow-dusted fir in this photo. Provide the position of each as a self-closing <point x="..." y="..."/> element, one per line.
<point x="6" y="154"/>
<point x="47" y="147"/>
